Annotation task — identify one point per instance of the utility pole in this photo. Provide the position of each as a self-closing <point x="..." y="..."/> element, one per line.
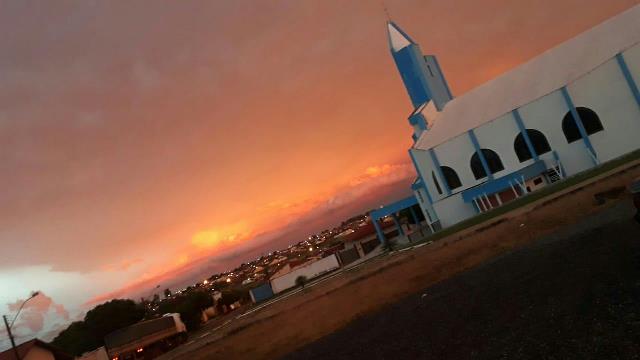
<point x="13" y="343"/>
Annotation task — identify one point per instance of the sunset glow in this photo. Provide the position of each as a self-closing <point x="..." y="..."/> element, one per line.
<point x="149" y="145"/>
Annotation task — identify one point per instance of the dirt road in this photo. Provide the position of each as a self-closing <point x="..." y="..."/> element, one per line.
<point x="566" y="297"/>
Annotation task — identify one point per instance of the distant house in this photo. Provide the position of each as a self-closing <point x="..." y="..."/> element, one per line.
<point x="35" y="349"/>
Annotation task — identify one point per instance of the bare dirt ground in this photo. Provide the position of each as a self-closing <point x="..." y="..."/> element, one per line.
<point x="575" y="297"/>
<point x="288" y="325"/>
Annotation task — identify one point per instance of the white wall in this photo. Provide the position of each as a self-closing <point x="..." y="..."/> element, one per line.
<point x="427" y="209"/>
<point x="632" y="57"/>
<point x="456" y="154"/>
<point x="426" y="166"/>
<point x="605" y="91"/>
<point x="453" y="209"/>
<point x="499" y="135"/>
<point x="312" y="270"/>
<point x="545" y="114"/>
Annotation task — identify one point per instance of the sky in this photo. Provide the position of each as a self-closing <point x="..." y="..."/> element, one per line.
<point x="152" y="143"/>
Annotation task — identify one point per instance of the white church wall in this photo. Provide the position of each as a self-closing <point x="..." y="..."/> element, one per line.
<point x="427" y="209"/>
<point x="453" y="210"/>
<point x="545" y="114"/>
<point x="605" y="91"/>
<point x="499" y="135"/>
<point x="632" y="57"/>
<point x="456" y="153"/>
<point x="425" y="166"/>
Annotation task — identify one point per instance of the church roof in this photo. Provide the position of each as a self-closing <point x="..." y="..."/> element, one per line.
<point x="537" y="77"/>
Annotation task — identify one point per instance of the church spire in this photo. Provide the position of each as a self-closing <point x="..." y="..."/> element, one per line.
<point x="398" y="39"/>
<point x="420" y="74"/>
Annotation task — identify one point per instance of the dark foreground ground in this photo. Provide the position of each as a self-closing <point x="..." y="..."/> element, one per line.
<point x="575" y="295"/>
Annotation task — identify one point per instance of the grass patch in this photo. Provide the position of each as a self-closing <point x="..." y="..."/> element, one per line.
<point x="527" y="199"/>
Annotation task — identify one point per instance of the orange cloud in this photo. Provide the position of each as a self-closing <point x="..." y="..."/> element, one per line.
<point x="222" y="236"/>
<point x="272" y="219"/>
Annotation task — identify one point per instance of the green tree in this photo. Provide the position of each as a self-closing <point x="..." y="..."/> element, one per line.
<point x="76" y="339"/>
<point x="113" y="315"/>
<point x="301" y="280"/>
<point x="82" y="336"/>
<point x="189" y="306"/>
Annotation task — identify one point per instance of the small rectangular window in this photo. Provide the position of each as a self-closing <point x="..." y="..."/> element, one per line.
<point x="537" y="181"/>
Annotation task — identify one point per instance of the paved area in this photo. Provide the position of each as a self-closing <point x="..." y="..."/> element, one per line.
<point x="572" y="295"/>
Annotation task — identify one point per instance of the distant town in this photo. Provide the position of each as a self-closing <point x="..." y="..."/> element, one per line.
<point x="352" y="241"/>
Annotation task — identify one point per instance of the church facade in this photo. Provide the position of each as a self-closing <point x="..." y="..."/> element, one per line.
<point x="569" y="109"/>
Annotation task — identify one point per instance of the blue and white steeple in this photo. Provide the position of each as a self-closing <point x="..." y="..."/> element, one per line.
<point x="420" y="74"/>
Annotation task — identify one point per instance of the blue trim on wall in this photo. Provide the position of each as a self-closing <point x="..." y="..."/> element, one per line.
<point x="627" y="75"/>
<point x="476" y="145"/>
<point x="418" y="119"/>
<point x="504" y="182"/>
<point x="557" y="158"/>
<point x="578" y="121"/>
<point x="436" y="164"/>
<point x="525" y="135"/>
<point x="393" y="207"/>
<point x="396" y="221"/>
<point x="424" y="184"/>
<point x="408" y="63"/>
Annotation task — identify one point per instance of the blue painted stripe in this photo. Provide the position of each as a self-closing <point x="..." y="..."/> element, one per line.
<point x="525" y="135"/>
<point x="393" y="207"/>
<point x="476" y="145"/>
<point x="504" y="182"/>
<point x="627" y="75"/>
<point x="578" y="121"/>
<point x="557" y="158"/>
<point x="434" y="158"/>
<point x="418" y="119"/>
<point x="397" y="223"/>
<point x="424" y="184"/>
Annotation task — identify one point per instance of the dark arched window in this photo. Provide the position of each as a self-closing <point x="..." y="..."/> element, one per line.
<point x="451" y="177"/>
<point x="590" y="121"/>
<point x="538" y="140"/>
<point x="435" y="181"/>
<point x="493" y="161"/>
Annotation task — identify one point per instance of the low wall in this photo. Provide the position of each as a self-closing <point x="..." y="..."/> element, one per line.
<point x="309" y="271"/>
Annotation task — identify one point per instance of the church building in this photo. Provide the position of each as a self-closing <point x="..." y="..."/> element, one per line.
<point x="569" y="109"/>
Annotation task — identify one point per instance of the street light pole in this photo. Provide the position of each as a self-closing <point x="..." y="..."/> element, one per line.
<point x="6" y="324"/>
<point x="13" y="343"/>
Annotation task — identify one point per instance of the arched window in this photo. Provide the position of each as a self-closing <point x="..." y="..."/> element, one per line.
<point x="451" y="177"/>
<point x="493" y="161"/>
<point x="435" y="181"/>
<point x="590" y="121"/>
<point x="538" y="140"/>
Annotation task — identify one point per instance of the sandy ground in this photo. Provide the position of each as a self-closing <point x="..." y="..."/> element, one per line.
<point x="288" y="325"/>
<point x="568" y="296"/>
